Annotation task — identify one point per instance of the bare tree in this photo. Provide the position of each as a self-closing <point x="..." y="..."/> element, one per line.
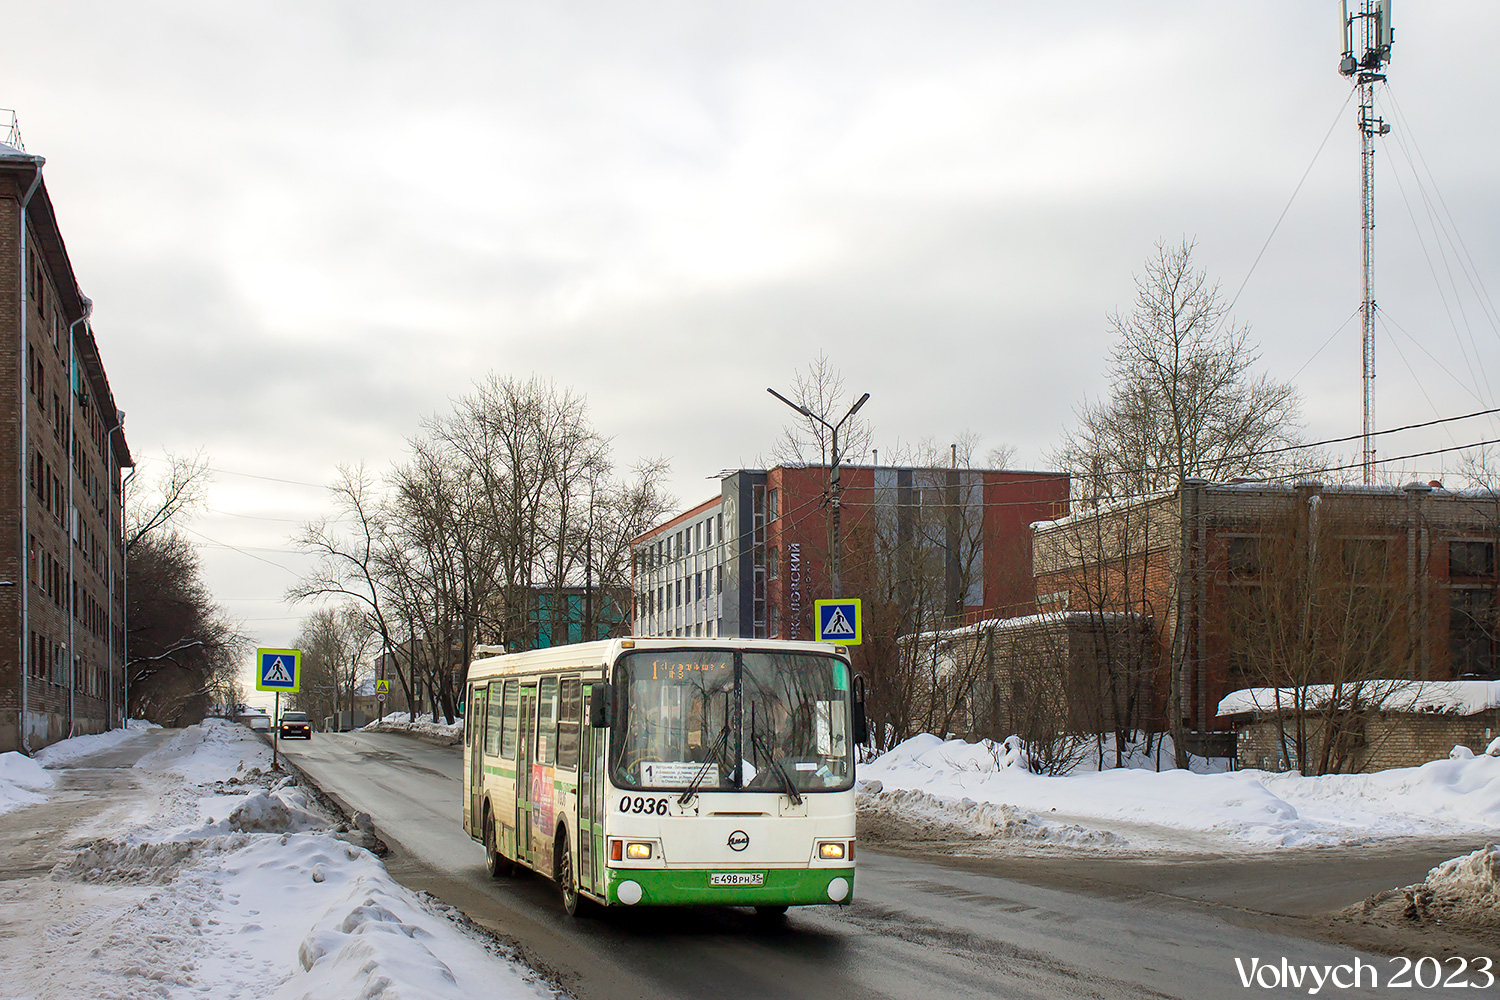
<point x="335" y="644"/>
<point x="1184" y="399"/>
<point x="820" y="389"/>
<point x="1184" y="402"/>
<point x="183" y="649"/>
<point x="349" y="548"/>
<point x="176" y="492"/>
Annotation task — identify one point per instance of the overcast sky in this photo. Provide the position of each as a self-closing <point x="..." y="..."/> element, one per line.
<point x="305" y="225"/>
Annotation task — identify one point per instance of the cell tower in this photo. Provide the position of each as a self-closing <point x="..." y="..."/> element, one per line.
<point x="1371" y="27"/>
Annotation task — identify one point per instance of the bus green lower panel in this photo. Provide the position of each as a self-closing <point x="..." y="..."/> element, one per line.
<point x="690" y="887"/>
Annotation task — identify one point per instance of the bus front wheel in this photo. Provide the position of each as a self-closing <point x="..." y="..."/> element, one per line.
<point x="497" y="864"/>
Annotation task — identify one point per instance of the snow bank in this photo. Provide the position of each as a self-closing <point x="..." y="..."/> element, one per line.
<point x="65" y="750"/>
<point x="402" y="722"/>
<point x="911" y="815"/>
<point x="20" y="777"/>
<point x="1462" y="893"/>
<point x="1240" y="810"/>
<point x="265" y="903"/>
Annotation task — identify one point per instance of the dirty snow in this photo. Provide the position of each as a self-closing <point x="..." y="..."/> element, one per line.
<point x="1462" y="894"/>
<point x="231" y="882"/>
<point x="401" y="722"/>
<point x="1169" y="810"/>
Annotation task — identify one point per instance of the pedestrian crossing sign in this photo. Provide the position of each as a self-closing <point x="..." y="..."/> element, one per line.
<point x="839" y="621"/>
<point x="278" y="670"/>
<point x="383" y="686"/>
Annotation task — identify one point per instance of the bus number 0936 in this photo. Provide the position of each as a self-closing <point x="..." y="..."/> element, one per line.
<point x="641" y="804"/>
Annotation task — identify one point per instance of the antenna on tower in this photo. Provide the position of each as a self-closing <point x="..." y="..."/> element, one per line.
<point x="1367" y="48"/>
<point x="13" y="134"/>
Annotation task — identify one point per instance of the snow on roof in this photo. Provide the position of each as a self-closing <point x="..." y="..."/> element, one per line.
<point x="1445" y="697"/>
<point x="1080" y="513"/>
<point x="9" y="152"/>
<point x="1026" y="621"/>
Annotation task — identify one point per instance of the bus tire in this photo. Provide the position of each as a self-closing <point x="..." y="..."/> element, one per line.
<point x="497" y="864"/>
<point x="566" y="883"/>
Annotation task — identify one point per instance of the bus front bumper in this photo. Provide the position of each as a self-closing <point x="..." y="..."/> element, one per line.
<point x="726" y="887"/>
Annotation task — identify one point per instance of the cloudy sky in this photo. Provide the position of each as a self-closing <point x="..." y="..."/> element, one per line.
<point x="306" y="225"/>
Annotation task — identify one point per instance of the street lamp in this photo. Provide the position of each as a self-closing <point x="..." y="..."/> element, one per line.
<point x="834" y="488"/>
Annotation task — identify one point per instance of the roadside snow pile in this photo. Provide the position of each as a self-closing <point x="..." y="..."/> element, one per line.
<point x="20" y="777"/>
<point x="66" y="750"/>
<point x="446" y="734"/>
<point x="266" y="903"/>
<point x="1462" y="893"/>
<point x="1239" y="810"/>
<point x="914" y="816"/>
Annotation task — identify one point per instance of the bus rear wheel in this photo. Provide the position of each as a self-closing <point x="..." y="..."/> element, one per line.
<point x="497" y="864"/>
<point x="565" y="881"/>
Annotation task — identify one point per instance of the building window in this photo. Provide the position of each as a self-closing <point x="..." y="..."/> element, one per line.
<point x="697" y="586"/>
<point x="1471" y="559"/>
<point x="773" y="504"/>
<point x="1471" y="632"/>
<point x="1244" y="557"/>
<point x="773" y="563"/>
<point x="708" y="531"/>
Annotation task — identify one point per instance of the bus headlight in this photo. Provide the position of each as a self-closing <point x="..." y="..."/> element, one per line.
<point x="831" y="850"/>
<point x="640" y="851"/>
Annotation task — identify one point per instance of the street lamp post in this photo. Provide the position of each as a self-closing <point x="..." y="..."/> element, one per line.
<point x="835" y="548"/>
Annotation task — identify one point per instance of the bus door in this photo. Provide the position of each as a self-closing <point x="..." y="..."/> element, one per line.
<point x="588" y="812"/>
<point x="525" y="744"/>
<point x="474" y="723"/>
<point x="591" y="797"/>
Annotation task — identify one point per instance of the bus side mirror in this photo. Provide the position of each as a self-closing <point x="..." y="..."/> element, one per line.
<point x="861" y="724"/>
<point x="599" y="702"/>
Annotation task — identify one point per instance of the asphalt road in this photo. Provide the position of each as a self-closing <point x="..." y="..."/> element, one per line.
<point x="917" y="928"/>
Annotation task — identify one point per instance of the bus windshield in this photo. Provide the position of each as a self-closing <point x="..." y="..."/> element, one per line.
<point x="723" y="720"/>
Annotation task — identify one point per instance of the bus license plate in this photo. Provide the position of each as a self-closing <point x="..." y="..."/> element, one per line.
<point x="737" y="878"/>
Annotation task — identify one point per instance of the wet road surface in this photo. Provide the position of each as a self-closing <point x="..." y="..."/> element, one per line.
<point x="917" y="928"/>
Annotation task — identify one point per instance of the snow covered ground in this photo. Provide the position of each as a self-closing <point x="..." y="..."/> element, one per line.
<point x="402" y="722"/>
<point x="216" y="878"/>
<point x="930" y="790"/>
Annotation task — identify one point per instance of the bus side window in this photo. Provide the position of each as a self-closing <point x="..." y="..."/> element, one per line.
<point x="492" y="725"/>
<point x="508" y="723"/>
<point x="567" y="723"/>
<point x="476" y="732"/>
<point x="546" y="726"/>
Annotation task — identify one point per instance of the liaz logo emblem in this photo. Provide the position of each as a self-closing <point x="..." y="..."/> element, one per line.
<point x="739" y="840"/>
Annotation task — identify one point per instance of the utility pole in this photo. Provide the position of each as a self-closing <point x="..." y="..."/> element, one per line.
<point x="835" y="488"/>
<point x="1371" y="25"/>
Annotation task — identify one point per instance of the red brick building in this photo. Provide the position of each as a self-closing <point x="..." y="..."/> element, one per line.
<point x="1407" y="577"/>
<point x="62" y="566"/>
<point x="954" y="543"/>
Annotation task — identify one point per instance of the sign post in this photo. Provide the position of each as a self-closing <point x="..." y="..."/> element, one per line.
<point x="278" y="670"/>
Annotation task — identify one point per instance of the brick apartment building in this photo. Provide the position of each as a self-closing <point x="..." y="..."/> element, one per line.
<point x="751" y="561"/>
<point x="62" y="568"/>
<point x="1411" y="572"/>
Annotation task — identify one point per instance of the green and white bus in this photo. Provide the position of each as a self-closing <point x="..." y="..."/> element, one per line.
<point x="650" y="772"/>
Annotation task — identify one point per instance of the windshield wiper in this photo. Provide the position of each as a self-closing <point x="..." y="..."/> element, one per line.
<point x="714" y="757"/>
<point x="777" y="767"/>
